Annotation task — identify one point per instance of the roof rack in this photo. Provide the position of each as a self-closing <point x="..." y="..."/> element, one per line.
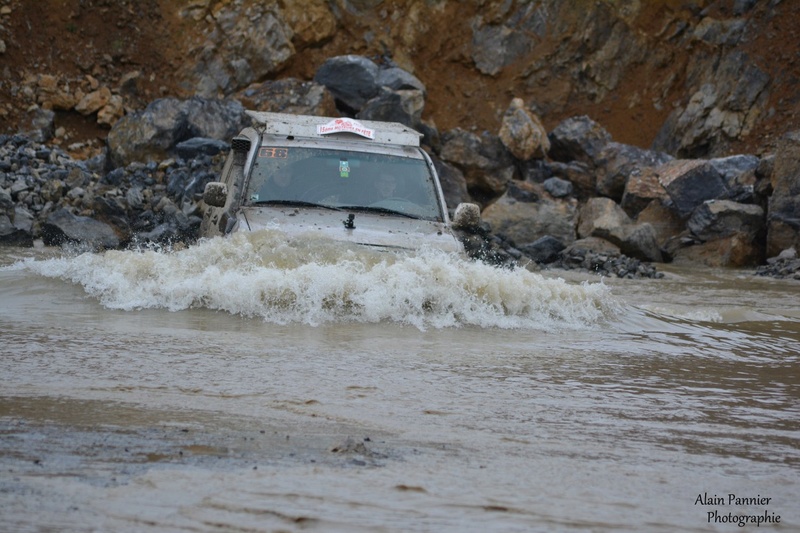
<point x="309" y="126"/>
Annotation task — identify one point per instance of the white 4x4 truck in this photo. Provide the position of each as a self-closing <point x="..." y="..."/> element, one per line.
<point x="363" y="182"/>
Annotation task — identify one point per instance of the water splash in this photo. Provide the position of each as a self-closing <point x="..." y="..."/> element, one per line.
<point x="267" y="275"/>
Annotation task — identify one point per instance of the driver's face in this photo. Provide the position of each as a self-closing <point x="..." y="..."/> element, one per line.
<point x="386" y="186"/>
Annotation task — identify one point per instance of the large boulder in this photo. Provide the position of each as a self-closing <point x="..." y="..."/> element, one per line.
<point x="578" y="139"/>
<point x="363" y="89"/>
<point x="618" y="163"/>
<point x="641" y="189"/>
<point x="289" y="95"/>
<point x="404" y="106"/>
<point x="666" y="223"/>
<point x="62" y="227"/>
<point x="17" y="229"/>
<point x="736" y="250"/>
<point x="783" y="217"/>
<point x="351" y="79"/>
<point x="486" y="163"/>
<point x="720" y="218"/>
<point x="689" y="183"/>
<point x="602" y="218"/>
<point x="522" y="132"/>
<point x="526" y="213"/>
<point x="151" y="134"/>
<point x="582" y="178"/>
<point x="739" y="174"/>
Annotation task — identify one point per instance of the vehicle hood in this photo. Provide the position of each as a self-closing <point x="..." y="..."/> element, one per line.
<point x="371" y="229"/>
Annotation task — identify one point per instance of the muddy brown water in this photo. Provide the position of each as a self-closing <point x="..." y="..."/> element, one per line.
<point x="256" y="384"/>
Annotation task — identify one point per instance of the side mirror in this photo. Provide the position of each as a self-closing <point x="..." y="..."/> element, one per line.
<point x="215" y="194"/>
<point x="467" y="217"/>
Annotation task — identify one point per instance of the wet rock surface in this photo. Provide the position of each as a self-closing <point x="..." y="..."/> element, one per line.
<point x="45" y="194"/>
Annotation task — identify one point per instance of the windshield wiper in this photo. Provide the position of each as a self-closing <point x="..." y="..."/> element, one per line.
<point x="370" y="209"/>
<point x="295" y="203"/>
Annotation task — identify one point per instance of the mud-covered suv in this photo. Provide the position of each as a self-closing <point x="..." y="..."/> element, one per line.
<point x="363" y="182"/>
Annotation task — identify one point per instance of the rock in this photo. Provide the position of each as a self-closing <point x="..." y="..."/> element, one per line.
<point x="536" y="170"/>
<point x="62" y="227"/>
<point x="360" y="88"/>
<point x="785" y="265"/>
<point x="578" y="174"/>
<point x="246" y="43"/>
<point x="93" y="101"/>
<point x="311" y="21"/>
<point x="523" y="215"/>
<point x="730" y="96"/>
<point x="289" y="95"/>
<point x="739" y="174"/>
<point x="41" y="125"/>
<point x="467" y="217"/>
<point x="543" y="250"/>
<point x="522" y="132"/>
<point x="788" y="254"/>
<point x="735" y="250"/>
<point x="147" y="135"/>
<point x="601" y="257"/>
<point x="487" y="165"/>
<point x="17" y="230"/>
<point x="664" y="221"/>
<point x="578" y="139"/>
<point x="641" y="242"/>
<point x="720" y="32"/>
<point x="558" y="188"/>
<point x="618" y="163"/>
<point x="496" y="46"/>
<point x="602" y="218"/>
<point x="641" y="189"/>
<point x="351" y="79"/>
<point x="111" y="112"/>
<point x="52" y="97"/>
<point x="398" y="79"/>
<point x="454" y="186"/>
<point x="689" y="183"/>
<point x="403" y="106"/>
<point x="720" y="218"/>
<point x="150" y="134"/>
<point x="783" y="216"/>
<point x="213" y="118"/>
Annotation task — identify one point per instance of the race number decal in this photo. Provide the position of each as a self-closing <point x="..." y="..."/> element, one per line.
<point x="275" y="153"/>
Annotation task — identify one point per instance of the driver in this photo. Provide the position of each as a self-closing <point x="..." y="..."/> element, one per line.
<point x="279" y="186"/>
<point x="386" y="185"/>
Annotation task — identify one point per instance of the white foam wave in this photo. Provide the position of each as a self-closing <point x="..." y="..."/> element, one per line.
<point x="266" y="275"/>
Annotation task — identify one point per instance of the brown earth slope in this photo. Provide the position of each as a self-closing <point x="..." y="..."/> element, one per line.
<point x="98" y="42"/>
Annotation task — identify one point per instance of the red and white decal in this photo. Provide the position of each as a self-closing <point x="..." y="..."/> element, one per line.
<point x="345" y="125"/>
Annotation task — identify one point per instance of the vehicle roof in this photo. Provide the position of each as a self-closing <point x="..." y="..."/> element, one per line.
<point x="308" y="126"/>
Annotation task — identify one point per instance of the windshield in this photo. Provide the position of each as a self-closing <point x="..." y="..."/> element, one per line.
<point x="343" y="179"/>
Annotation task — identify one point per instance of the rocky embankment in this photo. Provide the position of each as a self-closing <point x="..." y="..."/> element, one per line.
<point x="568" y="198"/>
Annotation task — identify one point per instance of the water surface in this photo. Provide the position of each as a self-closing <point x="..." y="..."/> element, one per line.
<point x="260" y="384"/>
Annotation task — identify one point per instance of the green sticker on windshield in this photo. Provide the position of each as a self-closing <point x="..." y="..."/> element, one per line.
<point x="344" y="168"/>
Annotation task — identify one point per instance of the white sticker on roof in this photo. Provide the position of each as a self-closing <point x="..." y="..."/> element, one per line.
<point x="345" y="125"/>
